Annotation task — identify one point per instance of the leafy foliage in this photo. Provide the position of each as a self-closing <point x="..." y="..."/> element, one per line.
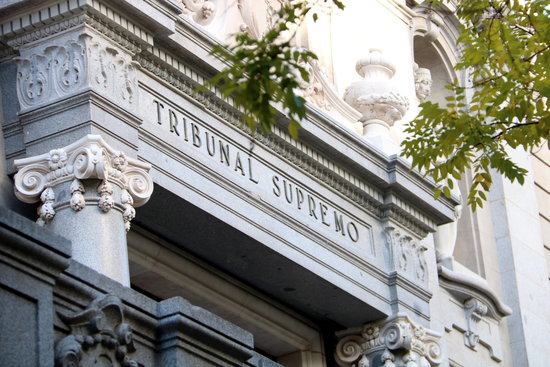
<point x="263" y="72"/>
<point x="506" y="51"/>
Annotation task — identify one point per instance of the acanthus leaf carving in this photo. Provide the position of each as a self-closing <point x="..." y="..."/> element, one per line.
<point x="57" y="71"/>
<point x="99" y="334"/>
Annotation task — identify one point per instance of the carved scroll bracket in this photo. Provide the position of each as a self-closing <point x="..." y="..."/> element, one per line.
<point x="397" y="341"/>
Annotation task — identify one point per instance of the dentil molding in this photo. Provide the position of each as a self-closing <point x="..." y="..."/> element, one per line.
<point x="88" y="158"/>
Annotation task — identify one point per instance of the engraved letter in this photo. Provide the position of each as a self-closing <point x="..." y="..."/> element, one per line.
<point x="224" y="153"/>
<point x="210" y="148"/>
<point x="196" y="138"/>
<point x="250" y="176"/>
<point x="324" y="208"/>
<point x="276" y="188"/>
<point x="299" y="197"/>
<point x="238" y="164"/>
<point x="353" y="232"/>
<point x="288" y="192"/>
<point x="159" y="106"/>
<point x="184" y="122"/>
<point x="311" y="205"/>
<point x="339" y="223"/>
<point x="173" y="122"/>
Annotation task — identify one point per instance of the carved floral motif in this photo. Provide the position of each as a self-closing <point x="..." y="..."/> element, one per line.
<point x="57" y="71"/>
<point x="46" y="211"/>
<point x="88" y="158"/>
<point x="395" y="339"/>
<point x="99" y="336"/>
<point x="77" y="198"/>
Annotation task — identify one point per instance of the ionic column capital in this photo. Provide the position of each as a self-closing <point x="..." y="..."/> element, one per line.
<point x="388" y="343"/>
<point x="88" y="192"/>
<point x="88" y="158"/>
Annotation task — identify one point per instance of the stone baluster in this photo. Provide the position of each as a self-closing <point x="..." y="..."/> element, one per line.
<point x="88" y="192"/>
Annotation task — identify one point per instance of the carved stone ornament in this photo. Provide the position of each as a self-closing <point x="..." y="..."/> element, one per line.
<point x="99" y="337"/>
<point x="474" y="311"/>
<point x="57" y="71"/>
<point x="88" y="158"/>
<point x="407" y="255"/>
<point x="422" y="83"/>
<point x="397" y="341"/>
<point x="201" y="11"/>
<point x="375" y="96"/>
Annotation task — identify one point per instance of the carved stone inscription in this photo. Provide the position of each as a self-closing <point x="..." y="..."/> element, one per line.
<point x="271" y="185"/>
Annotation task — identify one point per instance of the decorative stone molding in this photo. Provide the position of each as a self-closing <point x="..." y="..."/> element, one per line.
<point x="375" y="96"/>
<point x="407" y="255"/>
<point x="474" y="311"/>
<point x="88" y="158"/>
<point x="464" y="287"/>
<point x="57" y="71"/>
<point x="397" y="341"/>
<point x="312" y="90"/>
<point x="99" y="336"/>
<point x="427" y="23"/>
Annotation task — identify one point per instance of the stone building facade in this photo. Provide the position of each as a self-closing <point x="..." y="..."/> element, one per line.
<point x="150" y="228"/>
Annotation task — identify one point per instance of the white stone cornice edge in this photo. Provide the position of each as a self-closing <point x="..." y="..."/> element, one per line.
<point x="88" y="158"/>
<point x="464" y="286"/>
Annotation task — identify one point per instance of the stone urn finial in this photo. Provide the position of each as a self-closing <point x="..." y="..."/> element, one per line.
<point x="375" y="96"/>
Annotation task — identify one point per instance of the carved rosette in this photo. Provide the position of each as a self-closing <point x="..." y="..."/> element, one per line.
<point x="99" y="336"/>
<point x="393" y="342"/>
<point x="375" y="96"/>
<point x="57" y="71"/>
<point x="407" y="255"/>
<point x="88" y="158"/>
